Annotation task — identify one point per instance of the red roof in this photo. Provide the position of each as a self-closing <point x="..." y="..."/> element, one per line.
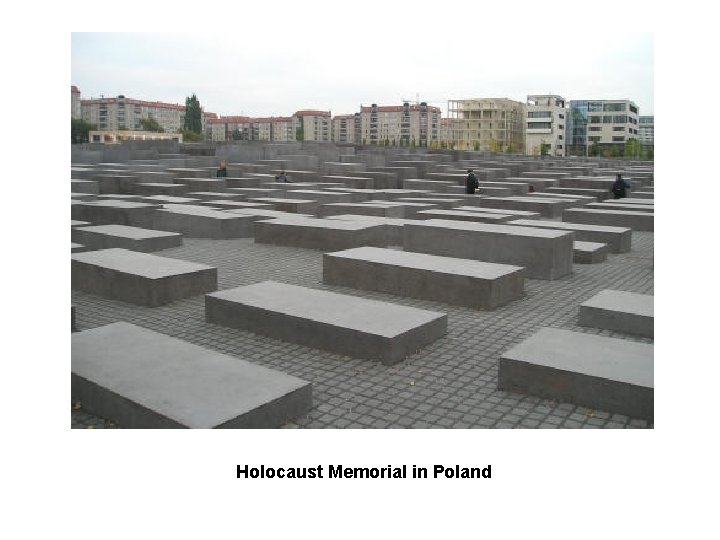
<point x="271" y="119"/>
<point x="312" y="113"/>
<point x="398" y="108"/>
<point x="130" y="101"/>
<point x="74" y="89"/>
<point x="230" y="120"/>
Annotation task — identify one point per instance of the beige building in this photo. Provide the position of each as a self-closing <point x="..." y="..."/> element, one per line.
<point x="493" y="124"/>
<point x="646" y="130"/>
<point x="313" y="126"/>
<point x="545" y="125"/>
<point x="343" y="128"/>
<point x="400" y="125"/>
<point x="223" y="128"/>
<point x="121" y="114"/>
<point x="615" y="124"/>
<point x="112" y="137"/>
<point x="75" y="110"/>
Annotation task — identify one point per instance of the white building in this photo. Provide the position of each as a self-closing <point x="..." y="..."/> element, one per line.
<point x="646" y="130"/>
<point x="545" y="125"/>
<point x="400" y="125"/>
<point x="75" y="109"/>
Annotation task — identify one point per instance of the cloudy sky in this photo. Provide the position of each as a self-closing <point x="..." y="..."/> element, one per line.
<point x="258" y="70"/>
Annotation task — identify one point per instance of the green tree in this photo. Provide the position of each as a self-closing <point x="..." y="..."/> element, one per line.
<point x="632" y="149"/>
<point x="150" y="124"/>
<point x="191" y="136"/>
<point x="594" y="149"/>
<point x="79" y="131"/>
<point x="476" y="145"/>
<point x="544" y="149"/>
<point x="193" y="117"/>
<point x="236" y="135"/>
<point x="300" y="131"/>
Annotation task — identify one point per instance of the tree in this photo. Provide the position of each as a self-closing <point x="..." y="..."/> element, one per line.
<point x="544" y="149"/>
<point x="476" y="145"/>
<point x="236" y="135"/>
<point x="632" y="149"/>
<point x="80" y="130"/>
<point x="150" y="124"/>
<point x="594" y="149"/>
<point x="193" y="117"/>
<point x="300" y="131"/>
<point x="191" y="136"/>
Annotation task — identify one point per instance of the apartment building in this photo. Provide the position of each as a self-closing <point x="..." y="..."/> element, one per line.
<point x="646" y="130"/>
<point x="121" y="113"/>
<point x="112" y="137"/>
<point x="75" y="110"/>
<point x="545" y="125"/>
<point x="491" y="124"/>
<point x="343" y="128"/>
<point x="226" y="128"/>
<point x="313" y="126"/>
<point x="609" y="123"/>
<point x="403" y="125"/>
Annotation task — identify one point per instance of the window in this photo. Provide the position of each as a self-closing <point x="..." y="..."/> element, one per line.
<point x="620" y="119"/>
<point x="561" y="126"/>
<point x="594" y="106"/>
<point x="618" y="139"/>
<point x="620" y="128"/>
<point x="633" y="109"/>
<point x="613" y="107"/>
<point x="559" y="146"/>
<point x="561" y="116"/>
<point x="539" y="125"/>
<point x="560" y="137"/>
<point x="594" y="139"/>
<point x="540" y="114"/>
<point x="607" y="119"/>
<point x="595" y="119"/>
<point x="594" y="128"/>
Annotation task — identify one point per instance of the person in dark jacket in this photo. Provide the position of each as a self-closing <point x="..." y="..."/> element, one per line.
<point x="471" y="183"/>
<point x="222" y="170"/>
<point x="619" y="187"/>
<point x="281" y="177"/>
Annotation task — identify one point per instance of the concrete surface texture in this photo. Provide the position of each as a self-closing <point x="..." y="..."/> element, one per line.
<point x="620" y="311"/>
<point x="149" y="380"/>
<point x="339" y="323"/>
<point x="594" y="371"/>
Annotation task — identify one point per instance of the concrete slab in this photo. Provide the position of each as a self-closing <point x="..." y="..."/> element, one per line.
<point x="455" y="281"/>
<point x="589" y="252"/>
<point x="140" y="278"/>
<point x="618" y="239"/>
<point x="109" y="212"/>
<point x="122" y="236"/>
<point x="464" y="215"/>
<point x="620" y="311"/>
<point x="637" y="221"/>
<point x="84" y="186"/>
<point x="143" y="379"/>
<point x="545" y="253"/>
<point x="160" y="188"/>
<point x="324" y="234"/>
<point x="339" y="323"/>
<point x="293" y="206"/>
<point x="203" y="222"/>
<point x="366" y="209"/>
<point x="592" y="371"/>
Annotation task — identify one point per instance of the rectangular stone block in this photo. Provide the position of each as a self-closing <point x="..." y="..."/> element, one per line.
<point x="203" y="222"/>
<point x="143" y="379"/>
<point x="551" y="208"/>
<point x="324" y="234"/>
<point x="460" y="282"/>
<point x="463" y="215"/>
<point x="618" y="239"/>
<point x="589" y="252"/>
<point x="391" y="228"/>
<point x="159" y="188"/>
<point x="356" y="182"/>
<point x="520" y="214"/>
<point x="592" y="371"/>
<point x="440" y="203"/>
<point x="109" y="212"/>
<point x="122" y="236"/>
<point x="78" y="248"/>
<point x="84" y="186"/>
<point x="293" y="206"/>
<point x="169" y="199"/>
<point x="322" y="197"/>
<point x="545" y="253"/>
<point x="335" y="322"/>
<point x="637" y="221"/>
<point x="367" y="209"/>
<point x="202" y="184"/>
<point x="140" y="278"/>
<point x="618" y="205"/>
<point x="620" y="311"/>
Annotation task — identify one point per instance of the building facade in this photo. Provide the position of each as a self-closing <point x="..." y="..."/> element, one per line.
<point x="404" y="125"/>
<point x="75" y="109"/>
<point x="343" y="128"/>
<point x="121" y="114"/>
<point x="112" y="137"/>
<point x="600" y="124"/>
<point x="313" y="126"/>
<point x="646" y="130"/>
<point x="545" y="125"/>
<point x="491" y="124"/>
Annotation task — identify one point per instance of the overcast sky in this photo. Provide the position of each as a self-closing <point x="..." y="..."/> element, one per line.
<point x="260" y="72"/>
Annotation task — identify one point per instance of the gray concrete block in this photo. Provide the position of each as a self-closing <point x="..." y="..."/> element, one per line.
<point x="464" y="215"/>
<point x="293" y="206"/>
<point x="140" y="278"/>
<point x="202" y="184"/>
<point x="339" y="323"/>
<point x="143" y="379"/>
<point x="122" y="236"/>
<point x="637" y="221"/>
<point x="439" y="202"/>
<point x="108" y="212"/>
<point x="618" y="239"/>
<point x="160" y="188"/>
<point x="78" y="248"/>
<point x="620" y="311"/>
<point x="551" y="208"/>
<point x="589" y="252"/>
<point x="620" y="204"/>
<point x="520" y="214"/>
<point x="545" y="253"/>
<point x="355" y="182"/>
<point x="366" y="209"/>
<point x="84" y="186"/>
<point x="202" y="222"/>
<point x="76" y="223"/>
<point x="322" y="197"/>
<point x="324" y="234"/>
<point x="455" y="281"/>
<point x="597" y="372"/>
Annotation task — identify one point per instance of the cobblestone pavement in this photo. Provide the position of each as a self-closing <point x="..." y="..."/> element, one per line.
<point x="449" y="384"/>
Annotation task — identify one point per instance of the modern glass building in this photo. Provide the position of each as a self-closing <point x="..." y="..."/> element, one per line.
<point x="603" y="123"/>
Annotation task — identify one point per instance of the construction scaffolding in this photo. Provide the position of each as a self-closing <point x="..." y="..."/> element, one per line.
<point x="490" y="124"/>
